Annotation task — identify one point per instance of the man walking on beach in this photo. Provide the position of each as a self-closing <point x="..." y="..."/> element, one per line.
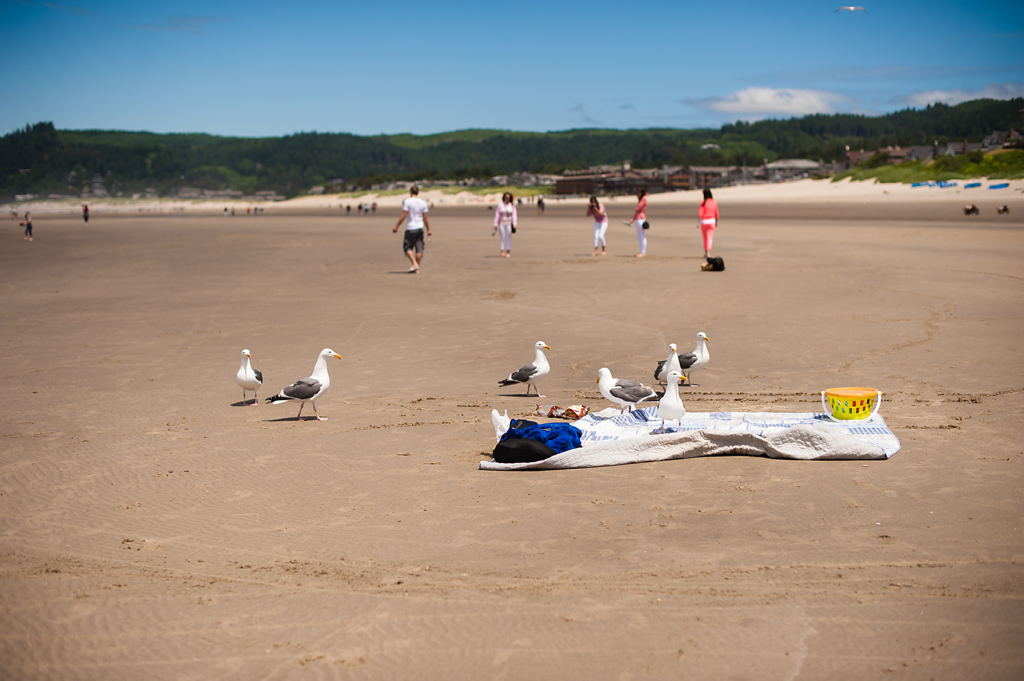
<point x="414" y="210"/>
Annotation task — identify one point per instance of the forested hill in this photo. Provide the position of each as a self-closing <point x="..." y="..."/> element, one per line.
<point x="40" y="159"/>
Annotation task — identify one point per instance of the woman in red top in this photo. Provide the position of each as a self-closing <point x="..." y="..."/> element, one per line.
<point x="708" y="214"/>
<point x="640" y="220"/>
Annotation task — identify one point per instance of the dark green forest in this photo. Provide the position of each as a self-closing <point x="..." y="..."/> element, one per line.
<point x="40" y="159"/>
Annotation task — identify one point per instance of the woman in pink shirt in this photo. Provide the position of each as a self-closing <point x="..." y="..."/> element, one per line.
<point x="708" y="214"/>
<point x="600" y="215"/>
<point x="640" y="221"/>
<point x="505" y="220"/>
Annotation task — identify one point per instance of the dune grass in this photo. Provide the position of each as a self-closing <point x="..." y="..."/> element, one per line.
<point x="1001" y="165"/>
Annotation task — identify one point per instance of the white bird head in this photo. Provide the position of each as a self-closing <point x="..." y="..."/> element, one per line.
<point x="603" y="374"/>
<point x="541" y="345"/>
<point x="245" y="353"/>
<point x="674" y="376"/>
<point x="672" y="347"/>
<point x="327" y="352"/>
<point x="702" y="337"/>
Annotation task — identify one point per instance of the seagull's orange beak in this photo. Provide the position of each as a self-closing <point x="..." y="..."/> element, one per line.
<point x="547" y="347"/>
<point x="598" y="381"/>
<point x="337" y="356"/>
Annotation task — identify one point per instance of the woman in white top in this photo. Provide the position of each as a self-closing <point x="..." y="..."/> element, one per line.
<point x="600" y="215"/>
<point x="505" y="220"/>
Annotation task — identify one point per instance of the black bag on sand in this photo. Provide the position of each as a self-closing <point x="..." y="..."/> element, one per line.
<point x="521" y="450"/>
<point x="713" y="265"/>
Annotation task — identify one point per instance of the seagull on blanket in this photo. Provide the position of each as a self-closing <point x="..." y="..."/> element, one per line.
<point x="308" y="389"/>
<point x="621" y="391"/>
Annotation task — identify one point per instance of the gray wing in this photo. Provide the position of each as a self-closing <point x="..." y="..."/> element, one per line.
<point x="303" y="390"/>
<point x="524" y="374"/>
<point x="688" y="360"/>
<point x="661" y="367"/>
<point x="259" y="376"/>
<point x="631" y="391"/>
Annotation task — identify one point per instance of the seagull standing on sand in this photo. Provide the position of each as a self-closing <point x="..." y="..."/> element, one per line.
<point x="621" y="391"/>
<point x="308" y="389"/>
<point x="248" y="378"/>
<point x="671" y="407"/>
<point x="531" y="373"/>
<point x="698" y="359"/>
<point x="852" y="9"/>
<point x="670" y="364"/>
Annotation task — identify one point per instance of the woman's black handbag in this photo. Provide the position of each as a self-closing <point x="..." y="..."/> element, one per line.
<point x="647" y="224"/>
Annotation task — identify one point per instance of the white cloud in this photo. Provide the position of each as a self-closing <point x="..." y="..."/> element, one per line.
<point x="767" y="101"/>
<point x="990" y="91"/>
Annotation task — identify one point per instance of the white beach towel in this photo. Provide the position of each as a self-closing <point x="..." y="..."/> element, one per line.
<point x="612" y="439"/>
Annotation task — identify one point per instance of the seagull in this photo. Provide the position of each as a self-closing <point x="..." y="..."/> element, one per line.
<point x="622" y="392"/>
<point x="670" y="406"/>
<point x="697" y="359"/>
<point x="308" y="389"/>
<point x="670" y="364"/>
<point x="531" y="373"/>
<point x="852" y="9"/>
<point x="248" y="378"/>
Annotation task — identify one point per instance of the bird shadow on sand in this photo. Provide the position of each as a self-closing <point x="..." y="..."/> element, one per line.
<point x="290" y="418"/>
<point x="403" y="272"/>
<point x="246" y="403"/>
<point x="521" y="395"/>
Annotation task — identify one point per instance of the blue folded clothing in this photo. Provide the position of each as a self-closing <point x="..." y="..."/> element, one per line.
<point x="561" y="437"/>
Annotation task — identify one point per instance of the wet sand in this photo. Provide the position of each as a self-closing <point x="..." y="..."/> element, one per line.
<point x="152" y="526"/>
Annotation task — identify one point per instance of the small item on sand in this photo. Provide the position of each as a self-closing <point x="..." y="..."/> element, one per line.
<point x="573" y="412"/>
<point x="713" y="265"/>
<point x="851" y="404"/>
<point x="1003" y="210"/>
<point x="971" y="210"/>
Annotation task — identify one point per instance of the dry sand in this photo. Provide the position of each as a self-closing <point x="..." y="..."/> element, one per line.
<point x="152" y="527"/>
<point x="814" y="193"/>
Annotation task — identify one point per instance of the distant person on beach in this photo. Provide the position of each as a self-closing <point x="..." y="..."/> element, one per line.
<point x="414" y="211"/>
<point x="640" y="221"/>
<point x="28" y="226"/>
<point x="85" y="213"/>
<point x="348" y="210"/>
<point x="505" y="220"/>
<point x="373" y="207"/>
<point x="540" y="204"/>
<point x="14" y="213"/>
<point x="225" y="212"/>
<point x="708" y="220"/>
<point x="600" y="215"/>
<point x="359" y="209"/>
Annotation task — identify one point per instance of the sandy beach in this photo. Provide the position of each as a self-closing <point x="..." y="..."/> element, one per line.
<point x="814" y="193"/>
<point x="155" y="527"/>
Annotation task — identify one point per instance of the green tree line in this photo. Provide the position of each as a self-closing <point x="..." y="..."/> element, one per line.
<point x="41" y="159"/>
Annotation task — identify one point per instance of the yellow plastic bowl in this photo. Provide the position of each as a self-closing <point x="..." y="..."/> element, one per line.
<point x="851" y="404"/>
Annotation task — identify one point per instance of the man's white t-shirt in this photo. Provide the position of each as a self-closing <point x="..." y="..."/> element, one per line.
<point x="415" y="207"/>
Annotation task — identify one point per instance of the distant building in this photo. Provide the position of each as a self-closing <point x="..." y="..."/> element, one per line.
<point x="961" y="148"/>
<point x="607" y="179"/>
<point x="190" y="193"/>
<point x="791" y="169"/>
<point x="316" y="190"/>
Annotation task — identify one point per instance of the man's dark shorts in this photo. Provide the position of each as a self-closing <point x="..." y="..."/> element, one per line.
<point x="413" y="241"/>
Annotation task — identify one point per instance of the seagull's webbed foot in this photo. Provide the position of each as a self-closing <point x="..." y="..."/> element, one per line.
<point x="318" y="417"/>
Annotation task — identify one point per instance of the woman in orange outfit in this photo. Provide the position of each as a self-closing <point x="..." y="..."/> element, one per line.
<point x="708" y="214"/>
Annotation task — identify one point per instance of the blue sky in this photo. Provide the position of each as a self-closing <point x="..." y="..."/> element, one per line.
<point x="275" y="68"/>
